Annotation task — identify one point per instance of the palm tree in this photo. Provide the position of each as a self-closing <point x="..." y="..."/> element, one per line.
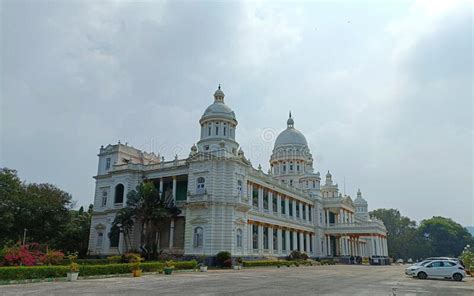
<point x="144" y="206"/>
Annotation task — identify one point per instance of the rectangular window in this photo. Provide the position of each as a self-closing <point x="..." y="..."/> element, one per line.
<point x="217" y="130"/>
<point x="255" y="236"/>
<point x="225" y="128"/>
<point x="104" y="198"/>
<point x="275" y="239"/>
<point x="265" y="199"/>
<point x="310" y="213"/>
<point x="275" y="204"/>
<point x="311" y="243"/>
<point x="304" y="212"/>
<point x="290" y="208"/>
<point x="209" y="131"/>
<point x="283" y="240"/>
<point x="304" y="242"/>
<point x="255" y="196"/>
<point x="100" y="237"/>
<point x="283" y="209"/>
<point x="265" y="238"/>
<point x="297" y="209"/>
<point x="107" y="163"/>
<point x="298" y="247"/>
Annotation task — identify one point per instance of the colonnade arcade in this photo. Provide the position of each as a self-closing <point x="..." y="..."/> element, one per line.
<point x="363" y="245"/>
<point x="269" y="239"/>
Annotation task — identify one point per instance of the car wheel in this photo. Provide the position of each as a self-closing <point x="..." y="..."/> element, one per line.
<point x="422" y="275"/>
<point x="457" y="277"/>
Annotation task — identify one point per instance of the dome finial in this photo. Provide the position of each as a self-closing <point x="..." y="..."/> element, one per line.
<point x="290" y="122"/>
<point x="219" y="94"/>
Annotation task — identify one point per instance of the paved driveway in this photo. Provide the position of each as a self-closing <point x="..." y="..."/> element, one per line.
<point x="320" y="280"/>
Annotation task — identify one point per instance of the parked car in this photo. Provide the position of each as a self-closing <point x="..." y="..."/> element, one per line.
<point x="410" y="261"/>
<point x="437" y="269"/>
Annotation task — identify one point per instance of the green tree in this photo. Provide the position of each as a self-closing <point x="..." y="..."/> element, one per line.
<point x="444" y="236"/>
<point x="402" y="237"/>
<point x="74" y="236"/>
<point x="10" y="195"/>
<point x="42" y="209"/>
<point x="145" y="207"/>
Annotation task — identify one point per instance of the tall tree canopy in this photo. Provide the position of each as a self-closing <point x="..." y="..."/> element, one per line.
<point x="444" y="236"/>
<point x="44" y="210"/>
<point x="437" y="236"/>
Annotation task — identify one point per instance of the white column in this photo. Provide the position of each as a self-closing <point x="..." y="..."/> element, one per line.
<point x="174" y="188"/>
<point x="270" y="202"/>
<point x="326" y="213"/>
<point x="279" y="204"/>
<point x="294" y="209"/>
<point x="301" y="210"/>
<point x="287" y="206"/>
<point x="161" y="187"/>
<point x="295" y="240"/>
<point x="287" y="241"/>
<point x="340" y="216"/>
<point x="270" y="239"/>
<point x="301" y="240"/>
<point x="250" y="237"/>
<point x="279" y="240"/>
<point x="250" y="194"/>
<point x="308" y="237"/>
<point x="260" y="239"/>
<point x="306" y="210"/>
<point x="328" y="243"/>
<point x="171" y="233"/>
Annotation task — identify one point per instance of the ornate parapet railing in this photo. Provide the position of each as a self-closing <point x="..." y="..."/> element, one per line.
<point x="361" y="229"/>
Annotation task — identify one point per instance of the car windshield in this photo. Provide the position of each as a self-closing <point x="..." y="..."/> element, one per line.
<point x="422" y="263"/>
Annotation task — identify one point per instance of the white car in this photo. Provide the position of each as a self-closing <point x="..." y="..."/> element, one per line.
<point x="437" y="269"/>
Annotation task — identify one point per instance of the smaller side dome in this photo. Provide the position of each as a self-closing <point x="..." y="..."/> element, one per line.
<point x="360" y="200"/>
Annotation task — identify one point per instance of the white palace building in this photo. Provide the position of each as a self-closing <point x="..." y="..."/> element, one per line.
<point x="226" y="204"/>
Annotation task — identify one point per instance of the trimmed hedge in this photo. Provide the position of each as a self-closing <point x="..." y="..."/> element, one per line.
<point x="58" y="271"/>
<point x="275" y="263"/>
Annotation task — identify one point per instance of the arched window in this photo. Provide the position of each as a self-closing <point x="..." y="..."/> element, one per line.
<point x="239" y="238"/>
<point x="119" y="189"/>
<point x="100" y="238"/>
<point x="198" y="237"/>
<point x="201" y="185"/>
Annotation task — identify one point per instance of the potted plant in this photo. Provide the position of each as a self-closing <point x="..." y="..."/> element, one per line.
<point x="202" y="264"/>
<point x="238" y="263"/>
<point x="135" y="261"/>
<point x="168" y="269"/>
<point x="73" y="272"/>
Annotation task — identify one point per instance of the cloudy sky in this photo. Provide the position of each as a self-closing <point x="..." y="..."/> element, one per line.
<point x="382" y="90"/>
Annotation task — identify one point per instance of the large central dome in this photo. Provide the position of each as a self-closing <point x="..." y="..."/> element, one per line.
<point x="290" y="136"/>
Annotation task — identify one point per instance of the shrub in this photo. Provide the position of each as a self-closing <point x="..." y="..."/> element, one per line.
<point x="297" y="255"/>
<point x="222" y="256"/>
<point x="114" y="259"/>
<point x="255" y="263"/>
<point x="27" y="255"/>
<point x="39" y="272"/>
<point x="227" y="263"/>
<point x="52" y="257"/>
<point x="130" y="257"/>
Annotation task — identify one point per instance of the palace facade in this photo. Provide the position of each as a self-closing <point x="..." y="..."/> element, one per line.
<point x="226" y="204"/>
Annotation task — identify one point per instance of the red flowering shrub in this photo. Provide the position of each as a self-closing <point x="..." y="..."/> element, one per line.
<point x="27" y="255"/>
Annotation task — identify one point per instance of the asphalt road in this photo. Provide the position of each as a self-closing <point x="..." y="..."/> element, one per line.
<point x="319" y="280"/>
